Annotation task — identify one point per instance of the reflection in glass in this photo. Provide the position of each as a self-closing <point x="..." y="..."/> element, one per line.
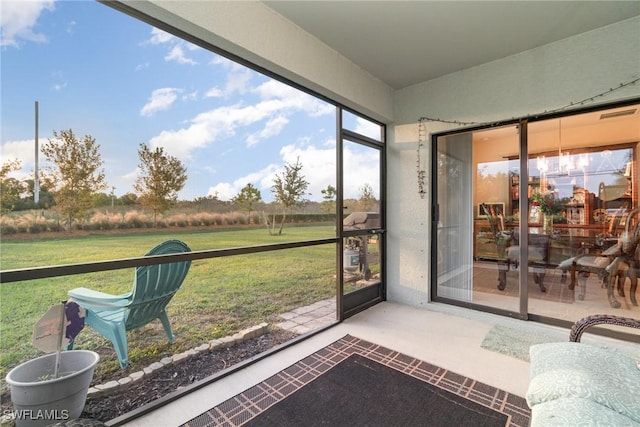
<point x="574" y="205"/>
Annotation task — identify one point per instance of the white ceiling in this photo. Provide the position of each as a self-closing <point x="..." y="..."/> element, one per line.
<point x="406" y="42"/>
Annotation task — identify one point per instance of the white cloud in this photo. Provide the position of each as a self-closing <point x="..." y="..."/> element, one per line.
<point x="161" y="99"/>
<point x="237" y="82"/>
<point x="24" y="151"/>
<point x="18" y="19"/>
<point x="159" y="37"/>
<point x="59" y="86"/>
<point x="271" y="128"/>
<point x="361" y="167"/>
<point x="206" y="128"/>
<point x="214" y="92"/>
<point x="292" y="98"/>
<point x="177" y="54"/>
<point x="131" y="176"/>
<point x="71" y="25"/>
<point x="228" y="190"/>
<point x="223" y="191"/>
<point x="278" y="103"/>
<point x="142" y="66"/>
<point x="367" y="128"/>
<point x="176" y="46"/>
<point x="318" y="168"/>
<point x="226" y="63"/>
<point x="190" y="96"/>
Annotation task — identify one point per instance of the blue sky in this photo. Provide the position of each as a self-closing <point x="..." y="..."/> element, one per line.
<point x="102" y="73"/>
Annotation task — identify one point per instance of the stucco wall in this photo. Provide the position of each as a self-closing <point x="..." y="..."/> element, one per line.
<point x="530" y="82"/>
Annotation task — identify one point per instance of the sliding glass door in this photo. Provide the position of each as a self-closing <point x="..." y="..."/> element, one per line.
<point x="539" y="218"/>
<point x="475" y="218"/>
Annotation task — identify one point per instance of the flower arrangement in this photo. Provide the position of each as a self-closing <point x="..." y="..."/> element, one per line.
<point x="547" y="201"/>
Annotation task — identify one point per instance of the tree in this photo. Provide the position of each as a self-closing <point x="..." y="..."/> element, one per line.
<point x="128" y="199"/>
<point x="101" y="199"/>
<point x="247" y="198"/>
<point x="45" y="195"/>
<point x="77" y="173"/>
<point x="209" y="203"/>
<point x="288" y="190"/>
<point x="329" y="198"/>
<point x="10" y="187"/>
<point x="161" y="178"/>
<point x="367" y="198"/>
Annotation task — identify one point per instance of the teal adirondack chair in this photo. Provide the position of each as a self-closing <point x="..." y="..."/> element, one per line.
<point x="153" y="288"/>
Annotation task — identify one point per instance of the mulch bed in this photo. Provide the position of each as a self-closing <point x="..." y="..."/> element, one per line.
<point x="172" y="377"/>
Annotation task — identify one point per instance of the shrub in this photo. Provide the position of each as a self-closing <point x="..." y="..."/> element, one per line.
<point x="135" y="219"/>
<point x="178" y="220"/>
<point x="202" y="218"/>
<point x="229" y="219"/>
<point x="255" y="218"/>
<point x="90" y="226"/>
<point x="103" y="221"/>
<point x="29" y="223"/>
<point x="239" y="218"/>
<point x="55" y="226"/>
<point x="7" y="226"/>
<point x="218" y="219"/>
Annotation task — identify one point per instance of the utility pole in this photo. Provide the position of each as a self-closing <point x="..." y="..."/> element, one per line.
<point x="36" y="179"/>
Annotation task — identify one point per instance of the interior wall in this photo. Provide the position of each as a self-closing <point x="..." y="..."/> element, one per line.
<point x="531" y="82"/>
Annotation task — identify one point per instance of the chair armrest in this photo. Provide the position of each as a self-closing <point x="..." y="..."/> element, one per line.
<point x="90" y="298"/>
<point x="583" y="324"/>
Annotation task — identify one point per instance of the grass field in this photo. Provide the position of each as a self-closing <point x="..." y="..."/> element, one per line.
<point x="219" y="297"/>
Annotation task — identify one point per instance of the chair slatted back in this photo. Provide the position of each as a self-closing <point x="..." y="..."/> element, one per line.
<point x="155" y="285"/>
<point x="631" y="235"/>
<point x="617" y="218"/>
<point x="494" y="220"/>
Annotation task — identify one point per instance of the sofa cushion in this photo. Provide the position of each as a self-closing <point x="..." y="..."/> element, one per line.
<point x="574" y="411"/>
<point x="578" y="370"/>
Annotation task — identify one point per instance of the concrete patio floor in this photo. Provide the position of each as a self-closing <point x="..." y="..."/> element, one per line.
<point x="446" y="336"/>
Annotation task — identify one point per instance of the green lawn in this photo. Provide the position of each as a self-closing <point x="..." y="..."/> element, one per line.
<point x="219" y="297"/>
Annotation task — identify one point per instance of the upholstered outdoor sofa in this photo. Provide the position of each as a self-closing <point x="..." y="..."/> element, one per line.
<point x="578" y="384"/>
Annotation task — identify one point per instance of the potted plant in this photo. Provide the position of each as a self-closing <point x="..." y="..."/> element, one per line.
<point x="53" y="387"/>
